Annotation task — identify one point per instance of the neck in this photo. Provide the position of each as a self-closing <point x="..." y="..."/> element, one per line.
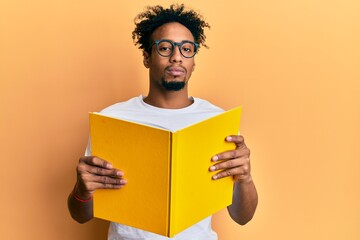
<point x="168" y="99"/>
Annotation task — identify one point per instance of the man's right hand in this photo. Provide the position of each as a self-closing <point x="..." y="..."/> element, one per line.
<point x="95" y="173"/>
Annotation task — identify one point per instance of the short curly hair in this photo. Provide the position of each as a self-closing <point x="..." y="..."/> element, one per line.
<point x="155" y="16"/>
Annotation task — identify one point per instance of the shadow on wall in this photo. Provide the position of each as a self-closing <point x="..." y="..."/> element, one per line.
<point x="98" y="229"/>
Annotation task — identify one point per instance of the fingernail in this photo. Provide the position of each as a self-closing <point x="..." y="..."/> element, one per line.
<point x="214" y="177"/>
<point x="123" y="181"/>
<point x="109" y="165"/>
<point x="228" y="138"/>
<point x="212" y="168"/>
<point x="215" y="158"/>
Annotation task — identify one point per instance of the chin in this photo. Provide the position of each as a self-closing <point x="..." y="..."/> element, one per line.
<point x="173" y="85"/>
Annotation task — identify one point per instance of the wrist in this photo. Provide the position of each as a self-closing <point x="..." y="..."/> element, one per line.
<point x="79" y="196"/>
<point x="243" y="179"/>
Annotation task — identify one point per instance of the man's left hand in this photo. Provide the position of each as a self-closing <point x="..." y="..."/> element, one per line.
<point x="234" y="163"/>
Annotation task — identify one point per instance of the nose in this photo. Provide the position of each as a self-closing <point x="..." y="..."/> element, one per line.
<point x="176" y="55"/>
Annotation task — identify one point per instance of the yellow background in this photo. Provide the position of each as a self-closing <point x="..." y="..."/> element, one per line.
<point x="294" y="66"/>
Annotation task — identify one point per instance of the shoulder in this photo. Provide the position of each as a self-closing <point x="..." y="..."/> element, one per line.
<point x="130" y="104"/>
<point x="205" y="105"/>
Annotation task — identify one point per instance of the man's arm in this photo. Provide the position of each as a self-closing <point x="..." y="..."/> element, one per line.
<point x="244" y="202"/>
<point x="236" y="163"/>
<point x="92" y="173"/>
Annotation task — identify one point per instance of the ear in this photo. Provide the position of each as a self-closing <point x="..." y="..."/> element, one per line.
<point x="146" y="58"/>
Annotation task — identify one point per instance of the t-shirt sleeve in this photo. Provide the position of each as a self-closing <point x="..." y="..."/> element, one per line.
<point x="88" y="148"/>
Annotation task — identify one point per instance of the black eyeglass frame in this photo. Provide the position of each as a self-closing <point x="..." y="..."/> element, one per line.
<point x="174" y="44"/>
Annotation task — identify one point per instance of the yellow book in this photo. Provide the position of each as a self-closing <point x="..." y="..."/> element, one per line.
<point x="169" y="185"/>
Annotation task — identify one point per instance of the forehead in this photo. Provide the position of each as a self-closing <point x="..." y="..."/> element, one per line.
<point x="173" y="31"/>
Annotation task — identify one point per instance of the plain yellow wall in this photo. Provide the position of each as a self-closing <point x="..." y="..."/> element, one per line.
<point x="293" y="65"/>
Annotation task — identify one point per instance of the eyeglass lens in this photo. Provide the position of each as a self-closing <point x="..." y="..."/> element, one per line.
<point x="166" y="48"/>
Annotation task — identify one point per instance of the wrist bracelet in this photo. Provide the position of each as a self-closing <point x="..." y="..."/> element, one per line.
<point x="77" y="197"/>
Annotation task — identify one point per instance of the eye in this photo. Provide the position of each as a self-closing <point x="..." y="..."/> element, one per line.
<point x="187" y="47"/>
<point x="165" y="47"/>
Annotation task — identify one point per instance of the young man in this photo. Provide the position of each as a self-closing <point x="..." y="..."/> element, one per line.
<point x="169" y="39"/>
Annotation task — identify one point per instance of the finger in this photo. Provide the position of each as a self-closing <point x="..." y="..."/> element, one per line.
<point x="91" y="183"/>
<point x="225" y="155"/>
<point x="84" y="169"/>
<point x="230" y="172"/>
<point x="108" y="180"/>
<point x="107" y="186"/>
<point x="234" y="163"/>
<point x="232" y="154"/>
<point x="96" y="161"/>
<point x="97" y="166"/>
<point x="241" y="149"/>
<point x="105" y="172"/>
<point x="237" y="139"/>
<point x="92" y="187"/>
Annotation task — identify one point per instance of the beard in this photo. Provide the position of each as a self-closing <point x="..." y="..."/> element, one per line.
<point x="172" y="85"/>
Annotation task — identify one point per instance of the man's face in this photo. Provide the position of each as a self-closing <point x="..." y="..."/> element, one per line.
<point x="173" y="72"/>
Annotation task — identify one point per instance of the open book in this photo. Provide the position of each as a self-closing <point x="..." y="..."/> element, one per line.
<point x="169" y="184"/>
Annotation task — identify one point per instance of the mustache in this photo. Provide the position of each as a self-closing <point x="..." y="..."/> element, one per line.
<point x="176" y="68"/>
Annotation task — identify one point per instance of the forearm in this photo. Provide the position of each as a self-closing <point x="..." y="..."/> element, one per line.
<point x="81" y="211"/>
<point x="244" y="201"/>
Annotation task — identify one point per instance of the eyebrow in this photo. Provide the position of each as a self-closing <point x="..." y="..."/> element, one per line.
<point x="174" y="41"/>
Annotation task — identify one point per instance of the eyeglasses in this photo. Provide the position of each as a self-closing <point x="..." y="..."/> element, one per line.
<point x="166" y="48"/>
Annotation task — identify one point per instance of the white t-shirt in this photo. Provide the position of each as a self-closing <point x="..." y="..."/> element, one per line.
<point x="137" y="110"/>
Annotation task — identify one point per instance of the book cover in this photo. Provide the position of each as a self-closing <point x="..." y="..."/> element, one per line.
<point x="169" y="185"/>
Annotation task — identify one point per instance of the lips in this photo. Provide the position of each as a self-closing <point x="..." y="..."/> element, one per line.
<point x="175" y="71"/>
